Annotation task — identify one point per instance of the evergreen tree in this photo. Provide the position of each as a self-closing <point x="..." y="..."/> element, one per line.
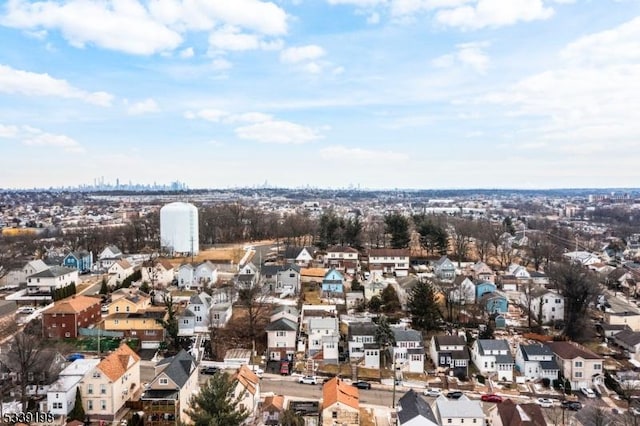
<point x="422" y="304"/>
<point x="398" y="226"/>
<point x="390" y="300"/>
<point x="216" y="404"/>
<point x="104" y="288"/>
<point x="375" y="304"/>
<point x="144" y="287"/>
<point x="384" y="337"/>
<point x="78" y="410"/>
<point x="291" y="418"/>
<point x="171" y="324"/>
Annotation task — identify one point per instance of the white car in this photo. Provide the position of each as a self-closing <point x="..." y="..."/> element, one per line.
<point x="544" y="402"/>
<point x="589" y="393"/>
<point x="308" y="380"/>
<point x="26" y="310"/>
<point x="435" y="392"/>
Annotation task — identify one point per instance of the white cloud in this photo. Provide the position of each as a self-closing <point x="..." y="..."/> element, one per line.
<point x="277" y="132"/>
<point x="373" y="19"/>
<point x="143" y="107"/>
<point x="248" y="117"/>
<point x="361" y="155"/>
<point x="494" y="13"/>
<point x="34" y="84"/>
<point x="32" y="136"/>
<point x="187" y="53"/>
<point x="139" y="28"/>
<point x="359" y="3"/>
<point x="230" y="38"/>
<point x="294" y="55"/>
<point x="214" y="115"/>
<point x="467" y="54"/>
<point x="410" y="7"/>
<point x="220" y="64"/>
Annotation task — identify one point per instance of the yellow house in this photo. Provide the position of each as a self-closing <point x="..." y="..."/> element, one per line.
<point x="132" y="314"/>
<point x="115" y="380"/>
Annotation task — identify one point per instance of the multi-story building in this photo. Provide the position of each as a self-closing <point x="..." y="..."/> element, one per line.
<point x="459" y="412"/>
<point x="537" y="361"/>
<point x="493" y="357"/>
<point x="47" y="281"/>
<point x="281" y="279"/>
<point x="579" y="365"/>
<point x="343" y="258"/>
<point x="132" y="314"/>
<point x="450" y="353"/>
<point x="67" y="316"/>
<point x="61" y="396"/>
<point x="408" y="352"/>
<point x="389" y="261"/>
<point x="340" y="404"/>
<point x="281" y="339"/>
<point x="81" y="260"/>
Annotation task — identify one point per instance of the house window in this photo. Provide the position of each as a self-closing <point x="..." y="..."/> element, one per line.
<point x="578" y="374"/>
<point x="449" y="421"/>
<point x="578" y="364"/>
<point x="117" y="308"/>
<point x="103" y="404"/>
<point x="185" y="321"/>
<point x="96" y="374"/>
<point x="67" y="334"/>
<point x="90" y="389"/>
<point x="149" y="332"/>
<point x="90" y="404"/>
<point x="196" y="308"/>
<point x="558" y="301"/>
<point x="164" y="381"/>
<point x="127" y="309"/>
<point x="57" y="405"/>
<point x="103" y="389"/>
<point x="292" y="275"/>
<point x="199" y="319"/>
<point x="281" y="333"/>
<point x="334" y="414"/>
<point x="597" y="366"/>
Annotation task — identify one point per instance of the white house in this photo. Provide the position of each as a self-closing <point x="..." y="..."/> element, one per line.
<point x="320" y="328"/>
<point x="408" y="352"/>
<point x="203" y="311"/>
<point x="444" y="268"/>
<point x="159" y="272"/>
<point x="459" y="412"/>
<point x="281" y="339"/>
<point x="362" y="344"/>
<point x="109" y="256"/>
<point x="463" y="290"/>
<point x="536" y="361"/>
<point x="630" y="341"/>
<point x="53" y="278"/>
<point x="547" y="303"/>
<point x="493" y="357"/>
<point x="389" y="261"/>
<point x="579" y="365"/>
<point x="583" y="257"/>
<point x="247" y="391"/>
<point x="118" y="271"/>
<point x="301" y="256"/>
<point x="61" y="396"/>
<point x="282" y="279"/>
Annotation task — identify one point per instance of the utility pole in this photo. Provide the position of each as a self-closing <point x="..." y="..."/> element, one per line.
<point x="393" y="403"/>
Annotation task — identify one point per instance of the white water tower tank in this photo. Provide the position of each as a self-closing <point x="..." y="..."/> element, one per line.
<point x="179" y="228"/>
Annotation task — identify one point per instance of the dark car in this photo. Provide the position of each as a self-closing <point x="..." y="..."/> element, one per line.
<point x="454" y="394"/>
<point x="209" y="370"/>
<point x="362" y="385"/>
<point x="491" y="398"/>
<point x="571" y="405"/>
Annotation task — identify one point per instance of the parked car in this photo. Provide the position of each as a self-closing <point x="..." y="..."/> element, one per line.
<point x="209" y="370"/>
<point x="491" y="398"/>
<point x="454" y="394"/>
<point x="74" y="357"/>
<point x="26" y="310"/>
<point x="571" y="405"/>
<point x="308" y="380"/>
<point x="589" y="393"/>
<point x="362" y="384"/>
<point x="435" y="392"/>
<point x="544" y="402"/>
<point x="104" y="308"/>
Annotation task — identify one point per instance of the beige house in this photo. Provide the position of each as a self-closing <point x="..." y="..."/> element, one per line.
<point x="167" y="397"/>
<point x="158" y="272"/>
<point x="107" y="387"/>
<point x="340" y="404"/>
<point x="132" y="314"/>
<point x="247" y="390"/>
<point x="578" y="364"/>
<point x="629" y="318"/>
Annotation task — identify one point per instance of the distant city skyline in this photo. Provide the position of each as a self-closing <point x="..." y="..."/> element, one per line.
<point x="382" y="94"/>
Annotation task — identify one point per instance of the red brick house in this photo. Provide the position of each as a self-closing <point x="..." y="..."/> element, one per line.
<point x="68" y="315"/>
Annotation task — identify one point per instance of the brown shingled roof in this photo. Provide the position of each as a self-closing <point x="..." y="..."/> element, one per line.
<point x="248" y="379"/>
<point x="570" y="350"/>
<point x="335" y="390"/>
<point x="388" y="252"/>
<point x="313" y="272"/>
<point x="72" y="305"/>
<point x="117" y="363"/>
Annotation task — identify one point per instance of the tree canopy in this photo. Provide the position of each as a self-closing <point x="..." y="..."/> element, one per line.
<point x="398" y="227"/>
<point x="216" y="404"/>
<point x="422" y="304"/>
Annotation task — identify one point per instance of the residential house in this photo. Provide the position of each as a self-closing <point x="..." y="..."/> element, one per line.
<point x="109" y="385"/>
<point x="333" y="283"/>
<point x="579" y="365"/>
<point x="281" y="339"/>
<point x="247" y="391"/>
<point x="630" y="341"/>
<point x="45" y="282"/>
<point x="131" y="313"/>
<point x="413" y="410"/>
<point x="248" y="276"/>
<point x="463" y="290"/>
<point x="282" y="279"/>
<point x="520" y="272"/>
<point x="496" y="302"/>
<point x="31" y="268"/>
<point x="67" y="316"/>
<point x="81" y="260"/>
<point x="272" y="409"/>
<point x="61" y="396"/>
<point x="340" y="404"/>
<point x="301" y="256"/>
<point x="159" y="272"/>
<point x="408" y="352"/>
<point x="109" y="256"/>
<point x="118" y="271"/>
<point x="537" y="361"/>
<point x="198" y="314"/>
<point x="389" y="261"/>
<point x="493" y="357"/>
<point x="480" y="271"/>
<point x="546" y="305"/>
<point x="373" y="288"/>
<point x="166" y="398"/>
<point x="582" y="257"/>
<point x="362" y="344"/>
<point x="484" y="287"/>
<point x="630" y="318"/>
<point x="194" y="277"/>
<point x="444" y="269"/>
<point x="342" y="258"/>
<point x="450" y="353"/>
<point x="285" y="311"/>
<point x="508" y="413"/>
<point x="323" y="339"/>
<point x="539" y="278"/>
<point x="459" y="412"/>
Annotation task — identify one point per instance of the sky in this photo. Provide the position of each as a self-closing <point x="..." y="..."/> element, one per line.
<point x="373" y="94"/>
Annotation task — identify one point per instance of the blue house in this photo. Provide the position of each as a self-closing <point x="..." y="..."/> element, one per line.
<point x="495" y="302"/>
<point x="484" y="287"/>
<point x="80" y="260"/>
<point x="333" y="282"/>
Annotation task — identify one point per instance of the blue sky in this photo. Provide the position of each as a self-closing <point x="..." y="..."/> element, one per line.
<point x="326" y="93"/>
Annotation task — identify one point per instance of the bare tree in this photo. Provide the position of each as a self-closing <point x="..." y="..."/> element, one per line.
<point x="461" y="238"/>
<point x="253" y="300"/>
<point x="28" y="357"/>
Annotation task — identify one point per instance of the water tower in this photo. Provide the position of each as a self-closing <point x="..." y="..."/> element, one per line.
<point x="179" y="228"/>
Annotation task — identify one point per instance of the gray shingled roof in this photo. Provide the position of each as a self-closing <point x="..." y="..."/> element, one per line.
<point x="282" y="324"/>
<point x="407" y="335"/>
<point x="628" y="337"/>
<point x="535" y="350"/>
<point x="362" y="329"/>
<point x="53" y="272"/>
<point x="448" y="341"/>
<point x="179" y="368"/>
<point x="413" y="405"/>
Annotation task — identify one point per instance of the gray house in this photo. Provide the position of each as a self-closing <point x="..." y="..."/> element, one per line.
<point x="444" y="268"/>
<point x="282" y="279"/>
<point x="414" y="410"/>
